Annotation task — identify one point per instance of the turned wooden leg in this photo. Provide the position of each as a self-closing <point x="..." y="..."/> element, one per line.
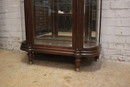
<point x="30" y="57"/>
<point x="77" y="63"/>
<point x="34" y="54"/>
<point x="96" y="58"/>
<point x="77" y="60"/>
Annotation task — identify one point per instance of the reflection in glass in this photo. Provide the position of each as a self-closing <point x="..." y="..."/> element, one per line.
<point x="53" y="22"/>
<point x="92" y="16"/>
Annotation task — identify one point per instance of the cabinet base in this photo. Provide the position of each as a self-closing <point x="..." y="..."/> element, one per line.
<point x="78" y="54"/>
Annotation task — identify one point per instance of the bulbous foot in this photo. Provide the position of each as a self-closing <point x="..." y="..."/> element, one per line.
<point x="30" y="62"/>
<point x="77" y="69"/>
<point x="96" y="58"/>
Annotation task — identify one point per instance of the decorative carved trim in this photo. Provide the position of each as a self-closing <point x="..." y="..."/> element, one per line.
<point x="77" y="53"/>
<point x="26" y="46"/>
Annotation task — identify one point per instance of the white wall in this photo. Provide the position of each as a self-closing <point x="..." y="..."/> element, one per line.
<point x="10" y="24"/>
<point x="115" y="38"/>
<point x="115" y="35"/>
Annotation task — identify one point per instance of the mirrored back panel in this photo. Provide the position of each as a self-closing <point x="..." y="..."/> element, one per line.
<point x="53" y="22"/>
<point x="91" y="23"/>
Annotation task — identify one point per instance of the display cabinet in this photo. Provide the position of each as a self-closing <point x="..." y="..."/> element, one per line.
<point x="63" y="27"/>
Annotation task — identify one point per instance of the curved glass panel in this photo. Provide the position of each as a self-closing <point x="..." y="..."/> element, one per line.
<point x="92" y="23"/>
<point x="53" y="22"/>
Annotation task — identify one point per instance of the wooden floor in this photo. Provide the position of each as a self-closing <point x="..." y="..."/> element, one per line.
<point x="57" y="71"/>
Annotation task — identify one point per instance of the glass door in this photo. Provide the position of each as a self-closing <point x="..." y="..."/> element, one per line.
<point x="92" y="23"/>
<point x="53" y="22"/>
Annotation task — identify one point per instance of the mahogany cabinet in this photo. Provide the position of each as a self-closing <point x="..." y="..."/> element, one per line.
<point x="63" y="27"/>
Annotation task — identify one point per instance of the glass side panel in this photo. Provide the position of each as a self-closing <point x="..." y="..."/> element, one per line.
<point x="91" y="20"/>
<point x="53" y="22"/>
